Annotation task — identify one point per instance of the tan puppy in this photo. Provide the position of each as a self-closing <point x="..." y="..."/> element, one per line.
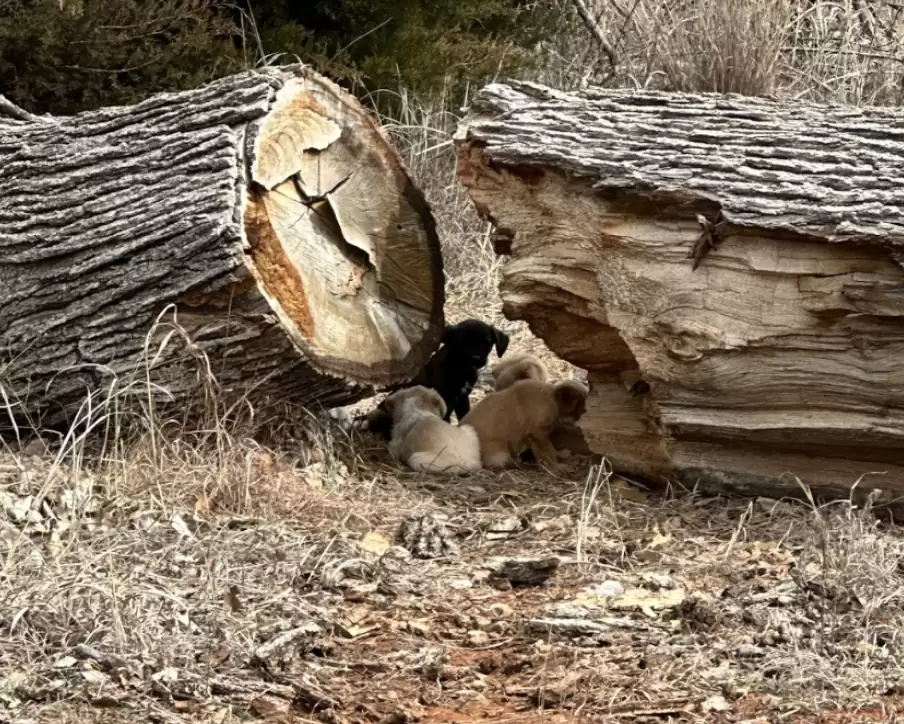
<point x="518" y="367"/>
<point x="523" y="416"/>
<point x="422" y="440"/>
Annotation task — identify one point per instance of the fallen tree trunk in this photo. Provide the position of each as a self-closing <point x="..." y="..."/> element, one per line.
<point x="743" y="258"/>
<point x="265" y="218"/>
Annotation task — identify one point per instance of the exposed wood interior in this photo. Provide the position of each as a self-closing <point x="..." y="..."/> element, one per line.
<point x="357" y="270"/>
<point x="778" y="356"/>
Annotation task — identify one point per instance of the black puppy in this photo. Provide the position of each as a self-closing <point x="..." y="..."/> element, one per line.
<point x="452" y="370"/>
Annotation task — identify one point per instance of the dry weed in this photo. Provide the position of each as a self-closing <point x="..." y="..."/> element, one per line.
<point x="822" y="50"/>
<point x="191" y="583"/>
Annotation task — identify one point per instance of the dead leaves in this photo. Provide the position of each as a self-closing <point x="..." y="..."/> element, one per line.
<point x="202" y="507"/>
<point x="277" y="645"/>
<point x="231" y="600"/>
<point x="51" y="509"/>
<point x="648" y="603"/>
<point x="375" y="543"/>
<point x="652" y="600"/>
<point x="665" y="612"/>
<point x="271" y="708"/>
<point x="360" y="621"/>
<point x="506" y="573"/>
<point x="426" y="536"/>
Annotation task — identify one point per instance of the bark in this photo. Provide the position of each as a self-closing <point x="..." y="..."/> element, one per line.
<point x="743" y="258"/>
<point x="260" y="231"/>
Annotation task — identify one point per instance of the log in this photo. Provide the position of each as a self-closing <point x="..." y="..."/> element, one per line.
<point x="266" y="217"/>
<point x="729" y="271"/>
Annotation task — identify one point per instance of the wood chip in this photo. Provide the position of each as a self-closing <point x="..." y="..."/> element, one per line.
<point x="283" y="640"/>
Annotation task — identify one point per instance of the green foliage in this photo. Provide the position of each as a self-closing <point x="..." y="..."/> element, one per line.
<point x="62" y="56"/>
<point x="66" y="56"/>
<point x="419" y="44"/>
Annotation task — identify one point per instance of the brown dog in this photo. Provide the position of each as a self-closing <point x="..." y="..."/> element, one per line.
<point x="422" y="440"/>
<point x="518" y="367"/>
<point x="523" y="416"/>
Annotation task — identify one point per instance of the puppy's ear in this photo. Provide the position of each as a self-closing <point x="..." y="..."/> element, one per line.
<point x="435" y="400"/>
<point x="571" y="397"/>
<point x="379" y="422"/>
<point x="501" y="340"/>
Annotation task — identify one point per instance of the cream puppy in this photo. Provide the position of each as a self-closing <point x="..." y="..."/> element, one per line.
<point x="516" y="367"/>
<point x="423" y="441"/>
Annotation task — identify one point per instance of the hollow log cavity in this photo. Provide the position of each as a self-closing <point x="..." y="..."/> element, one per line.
<point x="728" y="270"/>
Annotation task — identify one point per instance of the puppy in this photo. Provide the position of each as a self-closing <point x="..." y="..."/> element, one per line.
<point x="518" y="367"/>
<point x="423" y="441"/>
<point x="524" y="415"/>
<point x="451" y="371"/>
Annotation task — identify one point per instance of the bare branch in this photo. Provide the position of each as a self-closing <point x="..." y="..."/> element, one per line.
<point x="604" y="45"/>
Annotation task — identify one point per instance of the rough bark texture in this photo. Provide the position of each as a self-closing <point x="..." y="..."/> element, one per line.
<point x="742" y="257"/>
<point x="265" y="214"/>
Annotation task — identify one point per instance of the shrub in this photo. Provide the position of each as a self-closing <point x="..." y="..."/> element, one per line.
<point x="63" y="56"/>
<point x="422" y="45"/>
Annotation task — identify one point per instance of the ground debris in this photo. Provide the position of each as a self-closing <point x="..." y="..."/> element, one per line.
<point x="425" y="536"/>
<point x="620" y="609"/>
<point x="110" y="662"/>
<point x="280" y="642"/>
<point x="600" y="628"/>
<point x="522" y="571"/>
<point x="505" y="528"/>
<point x="301" y="691"/>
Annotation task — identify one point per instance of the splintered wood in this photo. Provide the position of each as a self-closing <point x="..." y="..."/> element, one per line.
<point x="730" y="271"/>
<point x="260" y="236"/>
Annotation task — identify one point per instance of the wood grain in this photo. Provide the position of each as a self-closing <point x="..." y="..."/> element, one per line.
<point x="779" y="355"/>
<point x="177" y="219"/>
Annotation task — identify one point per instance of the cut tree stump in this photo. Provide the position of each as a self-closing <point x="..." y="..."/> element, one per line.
<point x="266" y="218"/>
<point x="729" y="271"/>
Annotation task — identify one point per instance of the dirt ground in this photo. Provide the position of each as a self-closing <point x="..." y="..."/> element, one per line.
<point x="330" y="586"/>
<point x="210" y="579"/>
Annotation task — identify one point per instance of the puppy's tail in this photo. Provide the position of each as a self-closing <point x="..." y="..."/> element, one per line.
<point x="520" y="367"/>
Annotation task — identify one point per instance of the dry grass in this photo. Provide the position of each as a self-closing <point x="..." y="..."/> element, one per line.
<point x="152" y="580"/>
<point x="824" y="50"/>
<point x="160" y="591"/>
<point x="202" y="577"/>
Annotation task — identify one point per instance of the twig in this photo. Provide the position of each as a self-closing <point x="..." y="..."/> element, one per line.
<point x="657" y="707"/>
<point x="108" y="661"/>
<point x="712" y="234"/>
<point x="277" y="643"/>
<point x="10" y="109"/>
<point x="865" y="16"/>
<point x="597" y="34"/>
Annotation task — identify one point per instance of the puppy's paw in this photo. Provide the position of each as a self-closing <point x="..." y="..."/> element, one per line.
<point x="497" y="460"/>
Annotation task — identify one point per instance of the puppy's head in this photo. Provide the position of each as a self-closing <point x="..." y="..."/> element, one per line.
<point x="571" y="397"/>
<point x="473" y="340"/>
<point x="417" y="398"/>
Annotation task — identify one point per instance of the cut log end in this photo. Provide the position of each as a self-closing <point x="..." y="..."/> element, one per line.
<point x="260" y="233"/>
<point x="342" y="243"/>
